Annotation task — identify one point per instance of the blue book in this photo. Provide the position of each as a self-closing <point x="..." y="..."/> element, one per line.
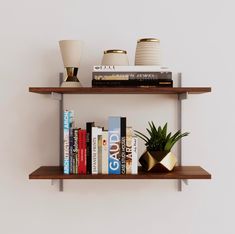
<point x="66" y="141"/>
<point x="114" y="151"/>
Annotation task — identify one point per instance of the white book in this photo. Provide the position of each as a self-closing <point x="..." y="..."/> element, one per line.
<point x="66" y="141"/>
<point x="134" y="169"/>
<point x="105" y="155"/>
<point x="100" y="159"/>
<point x="100" y="68"/>
<point x="129" y="134"/>
<point x="95" y="131"/>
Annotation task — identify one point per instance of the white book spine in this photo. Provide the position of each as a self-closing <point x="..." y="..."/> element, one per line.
<point x="66" y="141"/>
<point x="100" y="159"/>
<point x="94" y="151"/>
<point x="129" y="134"/>
<point x="105" y="154"/>
<point x="134" y="165"/>
<point x="130" y="69"/>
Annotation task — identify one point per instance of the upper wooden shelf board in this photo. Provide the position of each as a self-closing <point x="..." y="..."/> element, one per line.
<point x="134" y="90"/>
<point x="179" y="172"/>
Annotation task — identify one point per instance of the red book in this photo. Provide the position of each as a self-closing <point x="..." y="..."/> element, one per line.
<point x="84" y="152"/>
<point x="80" y="151"/>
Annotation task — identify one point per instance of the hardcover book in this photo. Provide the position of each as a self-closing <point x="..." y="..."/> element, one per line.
<point x="84" y="160"/>
<point x="131" y="75"/>
<point x="89" y="126"/>
<point x="132" y="83"/>
<point x="71" y="126"/>
<point x="66" y="141"/>
<point x="71" y="161"/>
<point x="94" y="155"/>
<point x="123" y="145"/>
<point x="134" y="167"/>
<point x="75" y="150"/>
<point x="129" y="134"/>
<point x="114" y="128"/>
<point x="100" y="68"/>
<point x="82" y="151"/>
<point x="80" y="146"/>
<point x="100" y="159"/>
<point x="105" y="152"/>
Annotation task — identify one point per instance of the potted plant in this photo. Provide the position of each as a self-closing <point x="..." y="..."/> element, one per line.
<point x="158" y="155"/>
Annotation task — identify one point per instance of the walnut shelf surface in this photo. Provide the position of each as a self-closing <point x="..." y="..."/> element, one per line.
<point x="127" y="90"/>
<point x="179" y="172"/>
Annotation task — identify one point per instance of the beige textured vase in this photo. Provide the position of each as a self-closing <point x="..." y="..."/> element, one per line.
<point x="71" y="51"/>
<point x="148" y="52"/>
<point x="115" y="58"/>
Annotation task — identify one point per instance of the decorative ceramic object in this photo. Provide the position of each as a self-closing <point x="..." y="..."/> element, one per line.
<point x="158" y="156"/>
<point x="148" y="52"/>
<point x="115" y="57"/>
<point x="158" y="161"/>
<point x="71" y="51"/>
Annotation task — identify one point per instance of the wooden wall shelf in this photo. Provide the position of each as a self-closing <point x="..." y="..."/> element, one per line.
<point x="137" y="90"/>
<point x="179" y="172"/>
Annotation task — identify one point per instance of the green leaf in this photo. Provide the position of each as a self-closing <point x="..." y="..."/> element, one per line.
<point x="164" y="130"/>
<point x="175" y="135"/>
<point x="168" y="136"/>
<point x="142" y="136"/>
<point x="158" y="138"/>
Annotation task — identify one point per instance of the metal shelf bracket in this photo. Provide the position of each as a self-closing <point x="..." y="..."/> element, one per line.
<point x="56" y="96"/>
<point x="185" y="181"/>
<point x="183" y="96"/>
<point x="53" y="182"/>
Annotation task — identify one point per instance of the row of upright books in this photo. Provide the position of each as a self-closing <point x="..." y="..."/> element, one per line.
<point x="131" y="76"/>
<point x="97" y="151"/>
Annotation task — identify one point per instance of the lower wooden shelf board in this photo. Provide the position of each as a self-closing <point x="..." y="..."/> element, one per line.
<point x="179" y="172"/>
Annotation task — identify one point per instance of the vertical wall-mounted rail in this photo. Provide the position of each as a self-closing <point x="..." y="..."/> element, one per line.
<point x="180" y="98"/>
<point x="179" y="127"/>
<point x="61" y="159"/>
<point x="59" y="98"/>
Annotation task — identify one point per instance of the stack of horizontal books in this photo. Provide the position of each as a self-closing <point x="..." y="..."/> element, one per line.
<point x="131" y="76"/>
<point x="94" y="150"/>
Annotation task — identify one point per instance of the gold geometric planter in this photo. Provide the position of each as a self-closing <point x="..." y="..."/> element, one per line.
<point x="158" y="161"/>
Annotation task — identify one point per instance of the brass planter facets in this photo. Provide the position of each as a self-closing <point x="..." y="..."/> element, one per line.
<point x="158" y="161"/>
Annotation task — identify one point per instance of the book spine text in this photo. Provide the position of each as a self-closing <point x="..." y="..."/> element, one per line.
<point x="66" y="141"/>
<point x="114" y="145"/>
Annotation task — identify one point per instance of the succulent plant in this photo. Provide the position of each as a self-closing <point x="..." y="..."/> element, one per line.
<point x="159" y="139"/>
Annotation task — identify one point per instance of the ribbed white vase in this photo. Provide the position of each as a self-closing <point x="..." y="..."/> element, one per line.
<point x="148" y="52"/>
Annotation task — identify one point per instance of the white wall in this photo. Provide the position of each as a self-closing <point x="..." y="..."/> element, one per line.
<point x="197" y="38"/>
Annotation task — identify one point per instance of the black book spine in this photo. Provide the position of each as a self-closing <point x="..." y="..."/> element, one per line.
<point x="132" y="75"/>
<point x="89" y="126"/>
<point x="123" y="145"/>
<point x="71" y="151"/>
<point x="132" y="83"/>
<point x="164" y="83"/>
